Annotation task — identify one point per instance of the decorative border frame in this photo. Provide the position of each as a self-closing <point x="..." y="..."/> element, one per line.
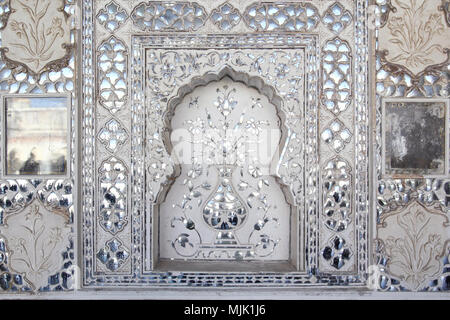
<point x="307" y="115"/>
<point x="3" y="156"/>
<point x="312" y="277"/>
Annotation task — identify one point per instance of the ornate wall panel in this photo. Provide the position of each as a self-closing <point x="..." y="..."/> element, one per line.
<point x="350" y="195"/>
<point x="410" y="121"/>
<point x="138" y="218"/>
<point x="38" y="214"/>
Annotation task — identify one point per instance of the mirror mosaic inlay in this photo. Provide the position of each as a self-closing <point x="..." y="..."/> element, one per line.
<point x="238" y="145"/>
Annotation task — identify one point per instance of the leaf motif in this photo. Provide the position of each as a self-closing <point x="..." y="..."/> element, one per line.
<point x="396" y="41"/>
<point x="404" y="4"/>
<point x="196" y="194"/>
<point x="419" y="4"/>
<point x="242" y="186"/>
<point x="206" y="186"/>
<point x="398" y="58"/>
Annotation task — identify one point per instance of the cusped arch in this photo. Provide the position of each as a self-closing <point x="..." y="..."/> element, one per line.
<point x="196" y="222"/>
<point x="254" y="82"/>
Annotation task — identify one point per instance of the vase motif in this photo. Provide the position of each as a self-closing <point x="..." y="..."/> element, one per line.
<point x="225" y="211"/>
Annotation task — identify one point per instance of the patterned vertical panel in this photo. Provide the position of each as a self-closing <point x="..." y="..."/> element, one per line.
<point x="362" y="142"/>
<point x="89" y="134"/>
<point x="112" y="109"/>
<point x="337" y="75"/>
<point x="112" y="78"/>
<point x="412" y="63"/>
<point x="338" y="137"/>
<point x="38" y="215"/>
<point x="337" y="212"/>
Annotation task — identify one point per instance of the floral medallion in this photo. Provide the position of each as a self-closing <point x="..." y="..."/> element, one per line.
<point x="37" y="238"/>
<point x="415" y="240"/>
<point x="37" y="36"/>
<point x="415" y="35"/>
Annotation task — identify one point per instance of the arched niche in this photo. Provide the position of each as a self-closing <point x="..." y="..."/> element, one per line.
<point x="225" y="206"/>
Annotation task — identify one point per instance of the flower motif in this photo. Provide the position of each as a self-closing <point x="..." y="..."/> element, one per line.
<point x="225" y="17"/>
<point x="55" y="29"/>
<point x="414" y="253"/>
<point x="337" y="252"/>
<point x="112" y="256"/>
<point x="415" y="34"/>
<point x="112" y="16"/>
<point x="113" y="135"/>
<point x="255" y="172"/>
<point x="256" y="103"/>
<point x="282" y="70"/>
<point x="18" y="28"/>
<point x="225" y="102"/>
<point x="37" y="238"/>
<point x="196" y="127"/>
<point x="195" y="172"/>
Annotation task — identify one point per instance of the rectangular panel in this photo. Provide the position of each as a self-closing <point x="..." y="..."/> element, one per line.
<point x="38" y="180"/>
<point x="415" y="137"/>
<point x="129" y="83"/>
<point x="36" y="136"/>
<point x="411" y="184"/>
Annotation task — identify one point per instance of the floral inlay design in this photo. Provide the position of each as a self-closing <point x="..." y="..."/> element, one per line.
<point x="337" y="18"/>
<point x="416" y="34"/>
<point x="112" y="135"/>
<point x="168" y="69"/>
<point x="16" y="195"/>
<point x="37" y="35"/>
<point x="229" y="191"/>
<point x="415" y="240"/>
<point x="8" y="280"/>
<point x="337" y="75"/>
<point x="113" y="255"/>
<point x="226" y="16"/>
<point x="36" y="239"/>
<point x="337" y="252"/>
<point x="336" y="136"/>
<point x="112" y="78"/>
<point x="112" y="16"/>
<point x="337" y="186"/>
<point x="166" y="16"/>
<point x="113" y="183"/>
<point x="288" y="16"/>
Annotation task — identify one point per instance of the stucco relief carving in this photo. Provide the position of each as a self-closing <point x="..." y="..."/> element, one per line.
<point x="36" y="238"/>
<point x="415" y="239"/>
<point x="414" y="35"/>
<point x="445" y="7"/>
<point x="37" y="35"/>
